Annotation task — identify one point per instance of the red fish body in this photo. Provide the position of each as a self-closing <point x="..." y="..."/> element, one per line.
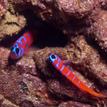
<point x="21" y="45"/>
<point x="59" y="65"/>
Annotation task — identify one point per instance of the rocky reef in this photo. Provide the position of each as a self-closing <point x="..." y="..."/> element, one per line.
<point x="73" y="29"/>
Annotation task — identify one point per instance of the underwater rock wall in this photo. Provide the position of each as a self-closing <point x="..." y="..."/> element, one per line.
<point x="73" y="29"/>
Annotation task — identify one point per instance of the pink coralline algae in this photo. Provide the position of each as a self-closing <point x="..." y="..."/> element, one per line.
<point x="3" y="7"/>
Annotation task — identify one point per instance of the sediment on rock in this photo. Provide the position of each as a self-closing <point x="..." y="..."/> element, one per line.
<point x="79" y="52"/>
<point x="3" y="7"/>
<point x="11" y="24"/>
<point x="32" y="81"/>
<point x="87" y="58"/>
<point x="81" y="56"/>
<point x="98" y="29"/>
<point x="73" y="104"/>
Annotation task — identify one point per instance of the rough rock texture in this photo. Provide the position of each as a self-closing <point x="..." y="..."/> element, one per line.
<point x="3" y="7"/>
<point x="64" y="27"/>
<point x="77" y="6"/>
<point x="88" y="58"/>
<point x="73" y="104"/>
<point x="11" y="24"/>
<point x="83" y="57"/>
<point x="99" y="28"/>
<point x="103" y="4"/>
<point x="19" y="87"/>
<point x="78" y="53"/>
<point x="4" y="57"/>
<point x="27" y="64"/>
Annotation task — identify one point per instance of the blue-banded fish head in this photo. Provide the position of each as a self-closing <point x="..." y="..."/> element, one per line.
<point x="52" y="57"/>
<point x="16" y="52"/>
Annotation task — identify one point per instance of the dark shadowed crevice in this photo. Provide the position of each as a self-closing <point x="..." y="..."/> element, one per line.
<point x="45" y="34"/>
<point x="8" y="41"/>
<point x="96" y="46"/>
<point x="50" y="37"/>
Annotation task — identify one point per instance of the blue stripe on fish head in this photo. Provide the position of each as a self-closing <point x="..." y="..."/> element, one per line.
<point x="20" y="40"/>
<point x="13" y="49"/>
<point x="21" y="52"/>
<point x="17" y="51"/>
<point x="52" y="58"/>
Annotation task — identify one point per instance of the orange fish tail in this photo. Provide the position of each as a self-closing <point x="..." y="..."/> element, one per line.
<point x="91" y="91"/>
<point x="71" y="77"/>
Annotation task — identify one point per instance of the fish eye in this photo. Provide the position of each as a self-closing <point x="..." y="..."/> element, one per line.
<point x="53" y="56"/>
<point x="17" y="50"/>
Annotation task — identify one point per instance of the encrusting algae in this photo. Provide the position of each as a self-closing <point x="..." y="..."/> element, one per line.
<point x="74" y="30"/>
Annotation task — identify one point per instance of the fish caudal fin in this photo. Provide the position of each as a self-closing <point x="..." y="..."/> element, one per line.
<point x="91" y="91"/>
